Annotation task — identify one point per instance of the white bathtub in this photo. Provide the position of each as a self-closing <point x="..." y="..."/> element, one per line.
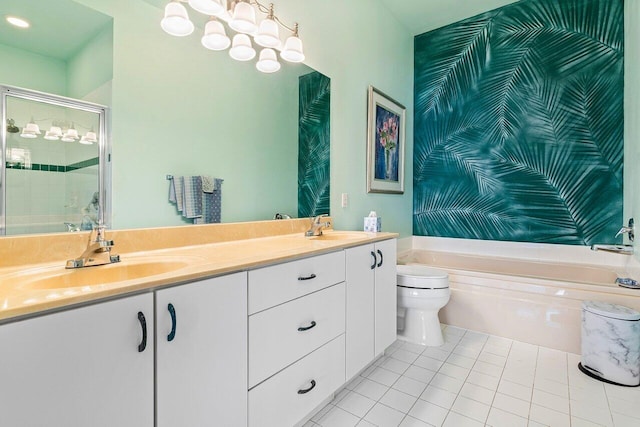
<point x="533" y="301"/>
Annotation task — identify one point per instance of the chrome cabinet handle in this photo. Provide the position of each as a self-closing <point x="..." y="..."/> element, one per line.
<point x="306" y="328"/>
<point x="307" y="390"/>
<point x="312" y="276"/>
<point x="143" y="325"/>
<point x="375" y="260"/>
<point x="380" y="263"/>
<point x="172" y="312"/>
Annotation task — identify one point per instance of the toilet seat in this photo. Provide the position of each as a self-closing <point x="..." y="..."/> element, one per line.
<point x="415" y="276"/>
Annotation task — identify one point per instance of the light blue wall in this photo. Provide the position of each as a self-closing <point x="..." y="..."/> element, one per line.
<point x="46" y="74"/>
<point x="92" y="66"/>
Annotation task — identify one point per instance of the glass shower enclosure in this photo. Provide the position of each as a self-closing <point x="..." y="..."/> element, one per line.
<point x="54" y="163"/>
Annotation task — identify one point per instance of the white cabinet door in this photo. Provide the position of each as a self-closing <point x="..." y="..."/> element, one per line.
<point x="80" y="367"/>
<point x="385" y="295"/>
<point x="201" y="373"/>
<point x="360" y="273"/>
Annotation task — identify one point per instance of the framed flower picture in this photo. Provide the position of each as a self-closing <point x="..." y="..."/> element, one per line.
<point x="385" y="144"/>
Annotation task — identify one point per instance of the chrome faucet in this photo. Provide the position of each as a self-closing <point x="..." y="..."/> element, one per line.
<point x="315" y="229"/>
<point x="98" y="251"/>
<point x="628" y="230"/>
<point x="617" y="249"/>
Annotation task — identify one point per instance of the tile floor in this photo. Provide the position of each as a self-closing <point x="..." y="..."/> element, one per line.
<point x="478" y="380"/>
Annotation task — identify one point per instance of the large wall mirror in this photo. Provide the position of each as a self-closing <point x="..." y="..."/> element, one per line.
<point x="176" y="109"/>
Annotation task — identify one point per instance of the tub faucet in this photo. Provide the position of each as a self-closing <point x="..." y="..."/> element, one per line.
<point x="628" y="230"/>
<point x="316" y="226"/>
<point x="98" y="251"/>
<point x="617" y="249"/>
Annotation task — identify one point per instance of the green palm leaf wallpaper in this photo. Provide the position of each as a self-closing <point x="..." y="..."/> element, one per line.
<point x="519" y="124"/>
<point x="314" y="146"/>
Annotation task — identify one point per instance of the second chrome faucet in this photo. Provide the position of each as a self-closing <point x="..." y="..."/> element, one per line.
<point x="317" y="225"/>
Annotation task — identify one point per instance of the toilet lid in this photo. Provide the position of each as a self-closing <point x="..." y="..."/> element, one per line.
<point x="611" y="310"/>
<point x="422" y="277"/>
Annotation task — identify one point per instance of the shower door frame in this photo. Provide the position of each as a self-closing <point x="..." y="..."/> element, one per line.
<point x="104" y="146"/>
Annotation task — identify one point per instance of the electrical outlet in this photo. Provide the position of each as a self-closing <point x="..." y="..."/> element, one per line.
<point x="345" y="200"/>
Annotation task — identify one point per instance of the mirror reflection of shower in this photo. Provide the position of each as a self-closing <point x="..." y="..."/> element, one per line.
<point x="53" y="163"/>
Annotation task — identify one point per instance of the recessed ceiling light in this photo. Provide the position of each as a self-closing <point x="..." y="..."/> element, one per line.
<point x="18" y="22"/>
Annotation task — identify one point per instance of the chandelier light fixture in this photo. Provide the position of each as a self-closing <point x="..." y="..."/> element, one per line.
<point x="58" y="131"/>
<point x="240" y="17"/>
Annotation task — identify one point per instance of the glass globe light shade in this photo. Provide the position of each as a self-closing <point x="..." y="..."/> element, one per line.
<point x="208" y="7"/>
<point x="244" y="18"/>
<point x="215" y="38"/>
<point x="268" y="62"/>
<point x="268" y="34"/>
<point x="176" y="20"/>
<point x="292" y="51"/>
<point x="241" y="50"/>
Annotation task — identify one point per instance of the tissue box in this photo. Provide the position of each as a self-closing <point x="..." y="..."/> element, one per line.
<point x="372" y="224"/>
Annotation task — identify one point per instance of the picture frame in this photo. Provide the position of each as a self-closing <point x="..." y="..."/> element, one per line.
<point x="385" y="144"/>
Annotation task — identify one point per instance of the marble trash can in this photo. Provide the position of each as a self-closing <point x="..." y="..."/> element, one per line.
<point x="610" y="343"/>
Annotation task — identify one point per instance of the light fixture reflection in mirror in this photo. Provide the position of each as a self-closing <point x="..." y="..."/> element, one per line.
<point x="51" y="178"/>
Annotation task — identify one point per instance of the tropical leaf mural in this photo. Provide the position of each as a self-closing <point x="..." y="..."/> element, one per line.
<point x="313" y="144"/>
<point x="519" y="124"/>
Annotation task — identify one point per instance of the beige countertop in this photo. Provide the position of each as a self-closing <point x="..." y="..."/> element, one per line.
<point x="31" y="289"/>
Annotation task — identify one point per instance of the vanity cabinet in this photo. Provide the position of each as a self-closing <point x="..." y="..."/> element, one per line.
<point x="370" y="304"/>
<point x="201" y="353"/>
<point x="296" y="338"/>
<point x="88" y="366"/>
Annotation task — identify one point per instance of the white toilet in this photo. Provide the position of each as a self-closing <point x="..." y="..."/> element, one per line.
<point x="422" y="292"/>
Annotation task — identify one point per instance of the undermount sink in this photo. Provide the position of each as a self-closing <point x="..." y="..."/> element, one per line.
<point x="60" y="278"/>
<point x="339" y="235"/>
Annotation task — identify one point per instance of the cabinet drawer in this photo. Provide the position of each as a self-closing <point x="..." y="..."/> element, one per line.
<point x="275" y="338"/>
<point x="270" y="286"/>
<point x="279" y="402"/>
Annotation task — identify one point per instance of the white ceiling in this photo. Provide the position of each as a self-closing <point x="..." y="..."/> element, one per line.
<point x="420" y="16"/>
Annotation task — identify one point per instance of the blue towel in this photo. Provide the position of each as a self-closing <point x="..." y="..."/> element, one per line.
<point x="212" y="204"/>
<point x="192" y="197"/>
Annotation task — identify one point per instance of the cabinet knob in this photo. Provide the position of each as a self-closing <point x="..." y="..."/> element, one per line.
<point x="172" y="312"/>
<point x="306" y="328"/>
<point x="381" y="259"/>
<point x="311" y="276"/>
<point x="307" y="390"/>
<point x="375" y="260"/>
<point x="143" y="325"/>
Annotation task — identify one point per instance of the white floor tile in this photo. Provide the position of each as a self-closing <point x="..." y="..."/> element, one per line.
<point x="491" y="358"/>
<point x="409" y="386"/>
<point x="428" y="412"/>
<point x="512" y="405"/>
<point x="549" y="416"/>
<point x="477" y="393"/>
<point x="447" y="383"/>
<point x="462" y="361"/>
<point x="383" y="376"/>
<point x="454" y="371"/>
<point x="395" y="365"/>
<point x="398" y="400"/>
<point x="550" y="401"/>
<point x="454" y="330"/>
<point x="429" y="363"/>
<point x="487" y="369"/>
<point x="456" y="420"/>
<point x="483" y="380"/>
<point x="475" y="379"/>
<point x="597" y="414"/>
<point x="471" y="408"/>
<point x="515" y="390"/>
<point x="419" y="374"/>
<point x="438" y="396"/>
<point x="371" y="389"/>
<point x="338" y="417"/>
<point x="413" y="422"/>
<point x="405" y="356"/>
<point x="499" y="418"/>
<point x="382" y="415"/>
<point x="356" y="404"/>
<point x="553" y="387"/>
<point x="436" y="353"/>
